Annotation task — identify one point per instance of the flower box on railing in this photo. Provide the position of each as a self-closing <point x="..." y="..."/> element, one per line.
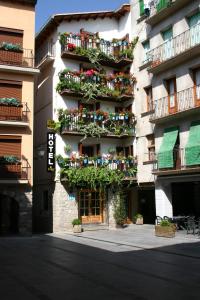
<point x="10" y="170"/>
<point x="10" y="112"/>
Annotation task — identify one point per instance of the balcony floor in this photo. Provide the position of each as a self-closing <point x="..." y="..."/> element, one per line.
<point x="184" y="171"/>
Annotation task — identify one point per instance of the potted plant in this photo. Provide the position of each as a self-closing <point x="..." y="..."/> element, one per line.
<point x="138" y="219"/>
<point x="77" y="226"/>
<point x="120" y="211"/>
<point x="165" y="229"/>
<point x="67" y="148"/>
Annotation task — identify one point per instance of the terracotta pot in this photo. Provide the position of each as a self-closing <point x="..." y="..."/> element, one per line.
<point x="165" y="231"/>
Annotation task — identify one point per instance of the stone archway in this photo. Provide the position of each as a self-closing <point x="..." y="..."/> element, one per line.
<point x="9" y="215"/>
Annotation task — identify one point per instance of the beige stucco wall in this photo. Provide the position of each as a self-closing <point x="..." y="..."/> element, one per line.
<point x="18" y="16"/>
<point x="25" y="132"/>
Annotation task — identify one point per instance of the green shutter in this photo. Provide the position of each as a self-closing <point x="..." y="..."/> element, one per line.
<point x="141" y="7"/>
<point x="162" y="4"/>
<point x="166" y="152"/>
<point x="194" y="20"/>
<point x="192" y="149"/>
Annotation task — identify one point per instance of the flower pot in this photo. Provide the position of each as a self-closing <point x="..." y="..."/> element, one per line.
<point x="165" y="231"/>
<point x="77" y="229"/>
<point x="139" y="221"/>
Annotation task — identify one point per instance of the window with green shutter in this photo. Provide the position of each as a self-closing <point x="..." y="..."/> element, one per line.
<point x="162" y="4"/>
<point x="192" y="149"/>
<point x="141" y="7"/>
<point x="166" y="152"/>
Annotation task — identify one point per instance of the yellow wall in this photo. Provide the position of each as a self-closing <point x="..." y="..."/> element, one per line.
<point x="18" y="16"/>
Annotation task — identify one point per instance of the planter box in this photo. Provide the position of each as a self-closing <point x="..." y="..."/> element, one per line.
<point x="165" y="231"/>
<point x="11" y="57"/>
<point x="77" y="229"/>
<point x="10" y="171"/>
<point x="10" y="112"/>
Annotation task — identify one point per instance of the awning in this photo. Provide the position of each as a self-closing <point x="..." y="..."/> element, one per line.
<point x="165" y="154"/>
<point x="192" y="149"/>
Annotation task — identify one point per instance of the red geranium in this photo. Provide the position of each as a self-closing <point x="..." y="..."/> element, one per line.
<point x="71" y="47"/>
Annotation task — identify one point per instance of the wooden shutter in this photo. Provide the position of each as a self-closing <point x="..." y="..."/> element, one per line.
<point x="10" y="145"/>
<point x="11" y="36"/>
<point x="9" y="89"/>
<point x="80" y="148"/>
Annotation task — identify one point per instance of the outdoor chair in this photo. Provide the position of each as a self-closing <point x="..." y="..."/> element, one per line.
<point x="190" y="225"/>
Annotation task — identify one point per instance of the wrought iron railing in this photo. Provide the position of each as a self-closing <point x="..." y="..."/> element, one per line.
<point x="14" y="113"/>
<point x="175" y="46"/>
<point x="18" y="171"/>
<point x="111" y="49"/>
<point x="179" y="161"/>
<point x="115" y="125"/>
<point x="48" y="50"/>
<point x="182" y="101"/>
<point x="21" y="59"/>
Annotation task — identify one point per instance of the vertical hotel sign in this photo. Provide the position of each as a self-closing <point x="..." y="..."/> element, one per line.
<point x="51" y="144"/>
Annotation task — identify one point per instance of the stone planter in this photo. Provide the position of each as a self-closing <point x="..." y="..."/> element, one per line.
<point x="139" y="221"/>
<point x="77" y="229"/>
<point x="165" y="231"/>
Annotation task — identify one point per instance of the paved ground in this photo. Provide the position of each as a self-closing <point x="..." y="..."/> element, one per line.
<point x="120" y="265"/>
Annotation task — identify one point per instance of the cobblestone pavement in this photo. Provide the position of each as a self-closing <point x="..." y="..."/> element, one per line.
<point x="123" y="264"/>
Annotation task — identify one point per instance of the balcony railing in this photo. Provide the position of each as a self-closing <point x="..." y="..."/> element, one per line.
<point x="19" y="59"/>
<point x="112" y="50"/>
<point x="14" y="113"/>
<point x="179" y="102"/>
<point x="125" y="164"/>
<point x="179" y="163"/>
<point x="15" y="171"/>
<point x="175" y="46"/>
<point x="107" y="86"/>
<point x="113" y="123"/>
<point x="45" y="52"/>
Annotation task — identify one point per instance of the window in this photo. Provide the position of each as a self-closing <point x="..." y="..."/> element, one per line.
<point x="172" y="96"/>
<point x="124" y="151"/>
<point x="10" y="145"/>
<point x="196" y="76"/>
<point x="168" y="49"/>
<point x="149" y="98"/>
<point x="89" y="151"/>
<point x="146" y="46"/>
<point x="151" y="147"/>
<point x="11" y="36"/>
<point x="10" y="89"/>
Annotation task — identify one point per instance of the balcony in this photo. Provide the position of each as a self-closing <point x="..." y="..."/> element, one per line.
<point x="92" y="85"/>
<point x="45" y="55"/>
<point x="175" y="51"/>
<point x="118" y="53"/>
<point x="126" y="165"/>
<point x="95" y="124"/>
<point x="179" y="165"/>
<point x="14" y="115"/>
<point x="169" y="7"/>
<point x="14" y="170"/>
<point x="24" y="58"/>
<point x="184" y="102"/>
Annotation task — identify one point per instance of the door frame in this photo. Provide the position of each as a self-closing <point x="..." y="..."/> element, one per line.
<point x="196" y="100"/>
<point x="173" y="109"/>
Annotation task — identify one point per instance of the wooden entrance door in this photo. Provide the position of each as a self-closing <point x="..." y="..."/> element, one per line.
<point x="197" y="87"/>
<point x="91" y="205"/>
<point x="172" y="97"/>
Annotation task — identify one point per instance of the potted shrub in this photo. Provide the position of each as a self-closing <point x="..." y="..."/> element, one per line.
<point x="138" y="219"/>
<point x="77" y="226"/>
<point x="165" y="229"/>
<point x="120" y="211"/>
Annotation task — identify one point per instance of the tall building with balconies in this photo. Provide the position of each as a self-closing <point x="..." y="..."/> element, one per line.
<point x="85" y="113"/>
<point x="170" y="41"/>
<point x="17" y="71"/>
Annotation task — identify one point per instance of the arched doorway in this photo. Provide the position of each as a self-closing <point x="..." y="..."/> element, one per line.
<point x="9" y="215"/>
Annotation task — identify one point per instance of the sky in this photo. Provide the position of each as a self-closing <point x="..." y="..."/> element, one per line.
<point x="46" y="8"/>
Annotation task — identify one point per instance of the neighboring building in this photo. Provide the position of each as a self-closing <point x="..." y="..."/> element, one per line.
<point x="17" y="71"/>
<point x="170" y="78"/>
<point x="67" y="67"/>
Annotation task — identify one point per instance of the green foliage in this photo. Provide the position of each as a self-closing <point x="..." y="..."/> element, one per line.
<point x="76" y="222"/>
<point x="120" y="208"/>
<point x="92" y="177"/>
<point x="10" y="102"/>
<point x="90" y="91"/>
<point x="138" y="216"/>
<point x="11" y="47"/>
<point x="165" y="223"/>
<point x="9" y="160"/>
<point x="92" y="130"/>
<point x="67" y="148"/>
